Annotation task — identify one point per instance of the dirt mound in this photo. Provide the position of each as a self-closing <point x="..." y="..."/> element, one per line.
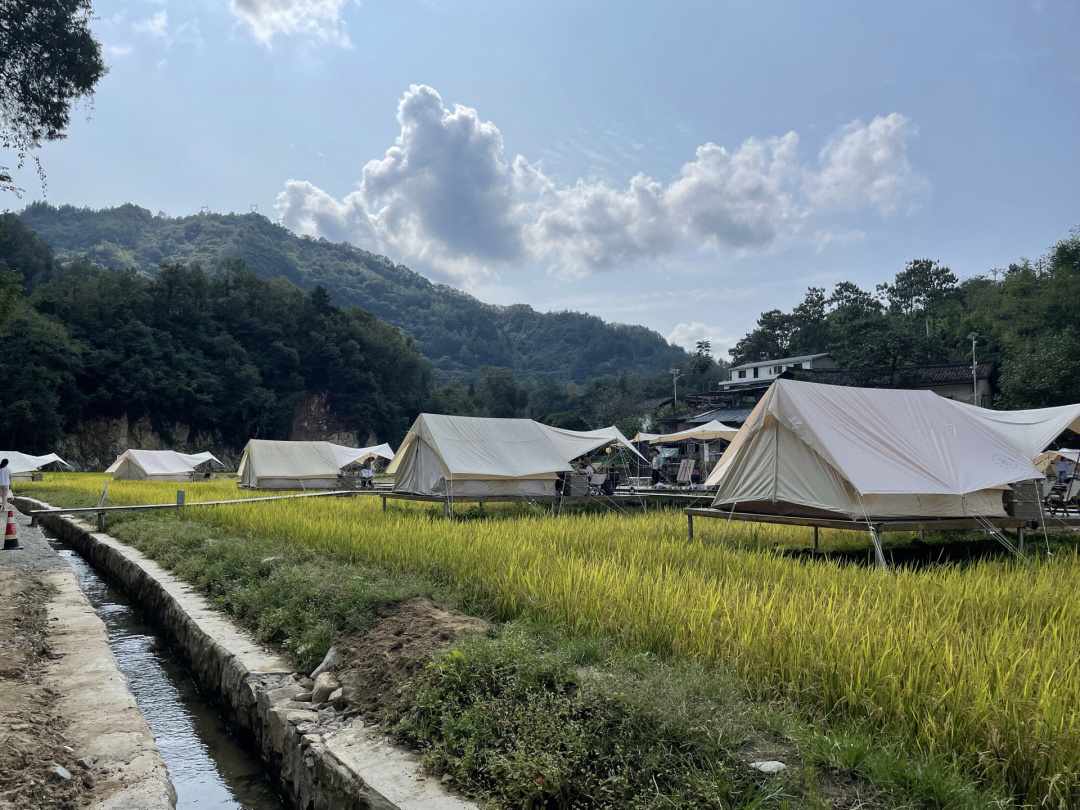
<point x="402" y="638"/>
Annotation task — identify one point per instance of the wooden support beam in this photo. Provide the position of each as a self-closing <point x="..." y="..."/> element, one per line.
<point x="881" y="526"/>
<point x="690" y="526"/>
<point x="815" y="538"/>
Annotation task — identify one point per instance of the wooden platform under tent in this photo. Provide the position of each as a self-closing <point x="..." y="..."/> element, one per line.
<point x="872" y="526"/>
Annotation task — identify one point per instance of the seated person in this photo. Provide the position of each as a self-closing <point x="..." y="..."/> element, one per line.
<point x="367" y="475"/>
<point x="586" y="469"/>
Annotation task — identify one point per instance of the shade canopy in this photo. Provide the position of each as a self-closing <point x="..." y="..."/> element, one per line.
<point x="710" y="431"/>
<point x="576" y="443"/>
<point x="857" y="452"/>
<point x="468" y="456"/>
<point x="1034" y="429"/>
<point x="158" y="465"/>
<point x="23" y="464"/>
<point x="641" y="437"/>
<point x="346" y="455"/>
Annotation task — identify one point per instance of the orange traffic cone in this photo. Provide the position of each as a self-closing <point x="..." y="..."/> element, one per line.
<point x="11" y="532"/>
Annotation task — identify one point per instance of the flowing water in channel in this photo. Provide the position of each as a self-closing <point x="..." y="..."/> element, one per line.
<point x="207" y="765"/>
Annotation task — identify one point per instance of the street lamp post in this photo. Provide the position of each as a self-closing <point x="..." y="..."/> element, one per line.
<point x="973" y="337"/>
<point x="675" y="375"/>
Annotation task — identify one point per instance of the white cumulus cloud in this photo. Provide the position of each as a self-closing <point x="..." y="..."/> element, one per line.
<point x="687" y="335"/>
<point x="319" y="19"/>
<point x="867" y="166"/>
<point x="155" y="26"/>
<point x="447" y="194"/>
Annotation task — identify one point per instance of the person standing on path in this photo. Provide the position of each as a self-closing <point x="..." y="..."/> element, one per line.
<point x="5" y="484"/>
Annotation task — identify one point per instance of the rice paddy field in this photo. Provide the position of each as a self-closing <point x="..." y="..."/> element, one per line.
<point x="978" y="662"/>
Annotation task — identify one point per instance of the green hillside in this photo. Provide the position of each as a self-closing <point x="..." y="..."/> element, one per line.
<point x="458" y="333"/>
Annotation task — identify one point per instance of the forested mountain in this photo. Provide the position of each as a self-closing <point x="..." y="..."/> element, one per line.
<point x="225" y="355"/>
<point x="458" y="333"/>
<point x="1027" y="316"/>
<point x="229" y="354"/>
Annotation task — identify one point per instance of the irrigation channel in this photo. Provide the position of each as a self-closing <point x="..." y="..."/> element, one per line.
<point x="209" y="767"/>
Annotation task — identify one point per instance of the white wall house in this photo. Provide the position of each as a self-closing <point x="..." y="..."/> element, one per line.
<point x="771" y="369"/>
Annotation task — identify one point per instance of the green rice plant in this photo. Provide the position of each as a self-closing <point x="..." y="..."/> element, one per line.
<point x="978" y="662"/>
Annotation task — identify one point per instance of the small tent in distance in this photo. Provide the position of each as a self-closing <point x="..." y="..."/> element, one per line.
<point x="304" y="465"/>
<point x="24" y="465"/>
<point x="478" y="458"/>
<point x="158" y="465"/>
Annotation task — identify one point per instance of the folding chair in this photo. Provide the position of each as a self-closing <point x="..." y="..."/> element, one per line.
<point x="596" y="482"/>
<point x="1066" y="500"/>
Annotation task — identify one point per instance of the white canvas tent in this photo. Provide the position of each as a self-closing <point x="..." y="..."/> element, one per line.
<point x="709" y="432"/>
<point x="642" y="437"/>
<point x="269" y="464"/>
<point x="158" y="465"/>
<point x="23" y="465"/>
<point x="476" y="457"/>
<point x="857" y="453"/>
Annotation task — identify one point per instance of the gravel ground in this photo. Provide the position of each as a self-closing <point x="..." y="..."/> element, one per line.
<point x="34" y="552"/>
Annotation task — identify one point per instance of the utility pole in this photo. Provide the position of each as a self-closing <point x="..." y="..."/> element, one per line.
<point x="675" y="382"/>
<point x="973" y="337"/>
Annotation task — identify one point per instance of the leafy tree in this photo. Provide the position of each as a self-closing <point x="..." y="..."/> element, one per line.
<point x="1026" y="317"/>
<point x="49" y="60"/>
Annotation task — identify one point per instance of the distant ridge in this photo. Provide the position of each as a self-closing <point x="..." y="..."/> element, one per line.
<point x="455" y="331"/>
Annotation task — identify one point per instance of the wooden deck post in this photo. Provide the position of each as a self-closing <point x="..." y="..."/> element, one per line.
<point x="815" y="538"/>
<point x="690" y="527"/>
<point x="384" y="503"/>
<point x="1020" y="539"/>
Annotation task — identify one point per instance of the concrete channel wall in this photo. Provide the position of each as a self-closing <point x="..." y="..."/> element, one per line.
<point x="319" y="760"/>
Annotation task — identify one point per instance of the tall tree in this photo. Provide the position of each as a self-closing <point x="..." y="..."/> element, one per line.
<point x="49" y="60"/>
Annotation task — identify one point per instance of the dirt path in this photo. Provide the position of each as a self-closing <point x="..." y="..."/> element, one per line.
<point x="37" y="762"/>
<point x="70" y="734"/>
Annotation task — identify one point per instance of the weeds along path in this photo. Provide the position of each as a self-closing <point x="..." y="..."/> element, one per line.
<point x="977" y="662"/>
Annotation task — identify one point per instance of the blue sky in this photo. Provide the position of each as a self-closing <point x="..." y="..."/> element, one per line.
<point x="683" y="166"/>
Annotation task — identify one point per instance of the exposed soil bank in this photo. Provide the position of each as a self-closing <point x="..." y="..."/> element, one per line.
<point x="321" y="759"/>
<point x="70" y="732"/>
